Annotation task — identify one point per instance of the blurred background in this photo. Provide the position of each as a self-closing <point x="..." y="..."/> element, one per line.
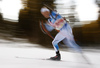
<point x="19" y="19"/>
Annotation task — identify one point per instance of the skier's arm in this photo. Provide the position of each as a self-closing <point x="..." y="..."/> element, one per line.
<point x="48" y="26"/>
<point x="51" y="26"/>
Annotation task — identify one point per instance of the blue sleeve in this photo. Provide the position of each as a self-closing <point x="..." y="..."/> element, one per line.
<point x="54" y="13"/>
<point x="48" y="27"/>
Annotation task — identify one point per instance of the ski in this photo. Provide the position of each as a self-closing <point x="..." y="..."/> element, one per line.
<point x="49" y="59"/>
<point x="36" y="58"/>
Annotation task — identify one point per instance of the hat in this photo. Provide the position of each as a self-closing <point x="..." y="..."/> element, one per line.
<point x="44" y="10"/>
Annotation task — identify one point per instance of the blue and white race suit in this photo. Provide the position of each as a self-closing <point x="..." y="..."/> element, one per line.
<point x="65" y="31"/>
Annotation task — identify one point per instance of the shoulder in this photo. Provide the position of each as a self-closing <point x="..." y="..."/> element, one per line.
<point x="54" y="13"/>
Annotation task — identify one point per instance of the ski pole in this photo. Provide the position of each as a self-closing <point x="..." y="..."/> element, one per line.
<point x="85" y="58"/>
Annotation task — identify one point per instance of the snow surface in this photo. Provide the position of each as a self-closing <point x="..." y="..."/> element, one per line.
<point x="26" y="55"/>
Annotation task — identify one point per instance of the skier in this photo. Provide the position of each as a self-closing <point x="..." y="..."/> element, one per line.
<point x="57" y="22"/>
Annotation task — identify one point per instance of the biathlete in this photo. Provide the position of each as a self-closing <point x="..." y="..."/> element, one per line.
<point x="65" y="34"/>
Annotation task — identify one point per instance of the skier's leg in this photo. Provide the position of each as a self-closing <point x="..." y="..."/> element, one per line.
<point x="71" y="43"/>
<point x="55" y="42"/>
<point x="59" y="37"/>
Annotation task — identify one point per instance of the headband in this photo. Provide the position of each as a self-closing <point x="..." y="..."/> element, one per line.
<point x="44" y="10"/>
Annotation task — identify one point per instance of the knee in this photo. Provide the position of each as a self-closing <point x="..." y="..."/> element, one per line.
<point x="54" y="43"/>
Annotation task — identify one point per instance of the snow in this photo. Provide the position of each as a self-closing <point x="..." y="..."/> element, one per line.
<point x="19" y="55"/>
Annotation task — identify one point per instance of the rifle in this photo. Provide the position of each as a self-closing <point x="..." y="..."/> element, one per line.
<point x="44" y="30"/>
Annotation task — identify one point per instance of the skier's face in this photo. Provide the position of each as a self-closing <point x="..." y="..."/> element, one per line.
<point x="46" y="14"/>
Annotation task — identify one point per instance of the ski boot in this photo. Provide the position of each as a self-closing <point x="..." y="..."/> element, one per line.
<point x="57" y="57"/>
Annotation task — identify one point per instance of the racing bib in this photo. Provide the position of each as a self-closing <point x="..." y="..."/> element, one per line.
<point x="59" y="23"/>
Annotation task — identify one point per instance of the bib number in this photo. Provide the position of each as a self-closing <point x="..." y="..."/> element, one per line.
<point x="59" y="23"/>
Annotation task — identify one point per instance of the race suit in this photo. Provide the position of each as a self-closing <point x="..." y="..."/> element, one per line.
<point x="65" y="32"/>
